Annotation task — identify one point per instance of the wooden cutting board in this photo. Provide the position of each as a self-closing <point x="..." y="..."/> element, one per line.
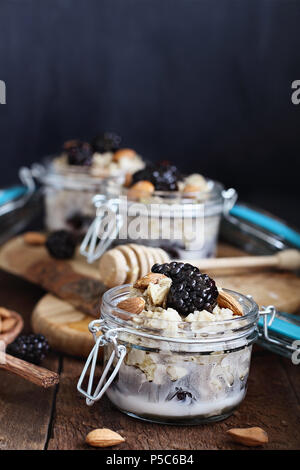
<point x="77" y="282"/>
<point x="65" y="328"/>
<point x="74" y="280"/>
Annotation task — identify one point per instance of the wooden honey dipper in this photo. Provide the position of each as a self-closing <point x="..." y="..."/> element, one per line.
<point x="127" y="263"/>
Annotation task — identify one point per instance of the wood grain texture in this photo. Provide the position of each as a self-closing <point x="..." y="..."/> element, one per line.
<point x="25" y="411"/>
<point x="270" y="403"/>
<point x="65" y="279"/>
<point x="35" y="374"/>
<point x="65" y="327"/>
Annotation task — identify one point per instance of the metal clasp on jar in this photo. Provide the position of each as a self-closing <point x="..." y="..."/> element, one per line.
<point x="119" y="351"/>
<point x="230" y="197"/>
<point x="93" y="246"/>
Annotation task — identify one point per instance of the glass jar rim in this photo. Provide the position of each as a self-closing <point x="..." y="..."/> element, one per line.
<point x="122" y="317"/>
<point x="212" y="194"/>
<point x="47" y="174"/>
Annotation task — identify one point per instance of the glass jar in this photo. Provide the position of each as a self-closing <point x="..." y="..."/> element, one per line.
<point x="68" y="194"/>
<point x="173" y="373"/>
<point x="186" y="225"/>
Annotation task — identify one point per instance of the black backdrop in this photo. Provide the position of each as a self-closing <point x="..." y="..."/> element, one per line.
<point x="205" y="83"/>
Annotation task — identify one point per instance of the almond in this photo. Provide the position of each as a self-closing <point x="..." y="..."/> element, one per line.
<point x="190" y="189"/>
<point x="132" y="305"/>
<point x="226" y="300"/>
<point x="144" y="282"/>
<point x="4" y="312"/>
<point x="128" y="180"/>
<point x="103" y="438"/>
<point x="249" y="436"/>
<point x="8" y="324"/>
<point x="123" y="153"/>
<point x="140" y="189"/>
<point x="34" y="238"/>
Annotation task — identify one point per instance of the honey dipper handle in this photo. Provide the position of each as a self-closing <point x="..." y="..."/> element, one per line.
<point x="35" y="374"/>
<point x="287" y="259"/>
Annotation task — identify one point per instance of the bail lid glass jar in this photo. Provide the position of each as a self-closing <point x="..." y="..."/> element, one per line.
<point x="69" y="190"/>
<point x="184" y="224"/>
<point x="171" y="372"/>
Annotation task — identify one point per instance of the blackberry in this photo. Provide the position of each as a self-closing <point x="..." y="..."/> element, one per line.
<point x="190" y="289"/>
<point x="61" y="244"/>
<point x="78" y="153"/>
<point x="79" y="221"/>
<point x="181" y="395"/>
<point x="107" y="142"/>
<point x="31" y="348"/>
<point x="163" y="176"/>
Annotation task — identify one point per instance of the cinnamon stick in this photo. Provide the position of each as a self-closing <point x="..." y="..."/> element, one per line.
<point x="35" y="374"/>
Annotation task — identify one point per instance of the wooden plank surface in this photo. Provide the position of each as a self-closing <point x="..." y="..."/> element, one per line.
<point x="270" y="403"/>
<point x="25" y="409"/>
<point x="32" y="418"/>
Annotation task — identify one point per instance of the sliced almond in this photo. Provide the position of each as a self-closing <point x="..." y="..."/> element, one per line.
<point x="34" y="238"/>
<point x="132" y="305"/>
<point x="249" y="436"/>
<point x="4" y="312"/>
<point x="8" y="324"/>
<point x="144" y="282"/>
<point x="103" y="438"/>
<point x="140" y="189"/>
<point x="226" y="300"/>
<point x="123" y="153"/>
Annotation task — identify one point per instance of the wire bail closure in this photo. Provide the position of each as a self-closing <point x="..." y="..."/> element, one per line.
<point x="119" y="351"/>
<point x="93" y="245"/>
<point x="270" y="310"/>
<point x="230" y="197"/>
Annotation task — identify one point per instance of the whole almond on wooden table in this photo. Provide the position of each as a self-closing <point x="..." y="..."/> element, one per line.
<point x="103" y="438"/>
<point x="250" y="437"/>
<point x="34" y="238"/>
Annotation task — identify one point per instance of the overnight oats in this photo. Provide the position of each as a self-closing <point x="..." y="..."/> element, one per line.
<point x="72" y="178"/>
<point x="178" y="213"/>
<point x="176" y="348"/>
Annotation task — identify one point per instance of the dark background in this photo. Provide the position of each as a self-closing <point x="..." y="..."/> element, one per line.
<point x="204" y="83"/>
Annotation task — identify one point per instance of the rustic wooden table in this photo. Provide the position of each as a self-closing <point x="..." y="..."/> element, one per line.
<point x="57" y="418"/>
